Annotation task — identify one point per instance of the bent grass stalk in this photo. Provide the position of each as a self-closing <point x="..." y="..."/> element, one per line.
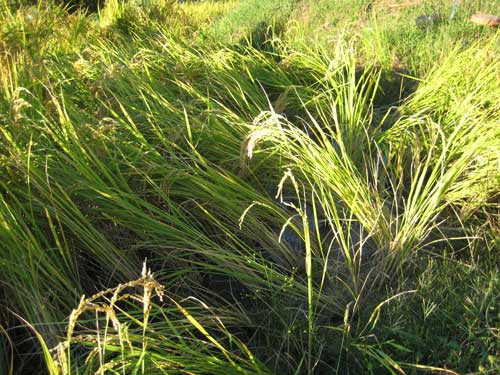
<point x="106" y="302"/>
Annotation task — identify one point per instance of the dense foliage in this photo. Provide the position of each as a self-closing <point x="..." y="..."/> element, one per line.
<point x="216" y="188"/>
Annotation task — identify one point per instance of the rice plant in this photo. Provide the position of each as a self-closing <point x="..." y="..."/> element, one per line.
<point x="279" y="209"/>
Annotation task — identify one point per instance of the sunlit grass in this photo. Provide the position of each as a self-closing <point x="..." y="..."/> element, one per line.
<point x="280" y="208"/>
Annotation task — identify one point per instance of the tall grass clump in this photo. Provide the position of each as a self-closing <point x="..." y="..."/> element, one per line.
<point x="407" y="173"/>
<point x="31" y="31"/>
<point x="412" y="182"/>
